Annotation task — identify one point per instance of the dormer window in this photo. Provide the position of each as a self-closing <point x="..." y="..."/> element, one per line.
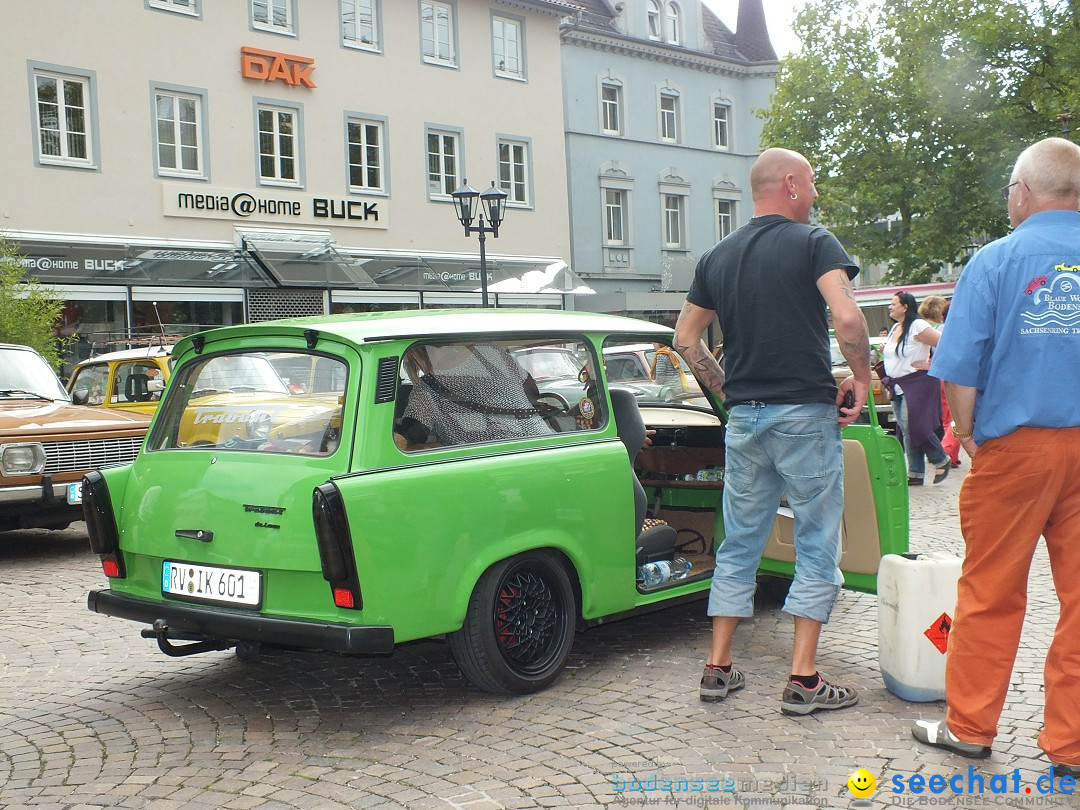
<point x="673" y="24"/>
<point x="665" y="21"/>
<point x="655" y="27"/>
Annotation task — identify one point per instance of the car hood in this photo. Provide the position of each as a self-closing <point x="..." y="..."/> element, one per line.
<point x="21" y="418"/>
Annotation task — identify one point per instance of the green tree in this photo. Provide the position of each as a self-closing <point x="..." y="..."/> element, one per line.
<point x="913" y="113"/>
<point x="28" y="311"/>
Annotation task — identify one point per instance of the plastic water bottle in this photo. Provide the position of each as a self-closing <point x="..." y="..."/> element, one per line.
<point x="655" y="574"/>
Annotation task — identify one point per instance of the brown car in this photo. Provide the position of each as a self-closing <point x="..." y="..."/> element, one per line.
<point x="47" y="444"/>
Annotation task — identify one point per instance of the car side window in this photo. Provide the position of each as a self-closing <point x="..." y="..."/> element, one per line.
<point x="90" y="384"/>
<point x="455" y="393"/>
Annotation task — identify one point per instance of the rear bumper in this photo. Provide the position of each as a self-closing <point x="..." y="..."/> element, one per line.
<point x="214" y="623"/>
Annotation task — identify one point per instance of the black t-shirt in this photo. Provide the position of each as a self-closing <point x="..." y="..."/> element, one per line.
<point x="762" y="282"/>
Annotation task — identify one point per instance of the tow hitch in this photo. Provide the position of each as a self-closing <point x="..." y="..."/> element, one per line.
<point x="165" y="636"/>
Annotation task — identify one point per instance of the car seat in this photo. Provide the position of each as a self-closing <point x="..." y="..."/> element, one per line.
<point x="136" y="388"/>
<point x="655" y="539"/>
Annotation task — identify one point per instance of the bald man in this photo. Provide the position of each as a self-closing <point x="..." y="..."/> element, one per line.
<point x="1008" y="355"/>
<point x="769" y="284"/>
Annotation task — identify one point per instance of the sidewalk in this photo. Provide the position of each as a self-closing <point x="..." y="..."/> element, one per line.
<point x="93" y="716"/>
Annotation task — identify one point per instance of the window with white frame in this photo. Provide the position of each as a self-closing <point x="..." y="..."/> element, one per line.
<point x="360" y="23"/>
<point x="507" y="47"/>
<point x="443" y="155"/>
<point x="278" y="145"/>
<point x="674" y="226"/>
<point x="655" y="24"/>
<point x="615" y="226"/>
<point x="669" y="116"/>
<point x="179" y="6"/>
<point x="611" y="108"/>
<point x="672" y="24"/>
<point x="63" y="105"/>
<point x="725" y="218"/>
<point x="366" y="157"/>
<point x="721" y="125"/>
<point x="178" y="130"/>
<point x="272" y="15"/>
<point x="514" y="171"/>
<point x="437" y="32"/>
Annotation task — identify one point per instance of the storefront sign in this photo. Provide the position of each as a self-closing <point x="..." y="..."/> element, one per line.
<point x="271" y="66"/>
<point x="271" y="206"/>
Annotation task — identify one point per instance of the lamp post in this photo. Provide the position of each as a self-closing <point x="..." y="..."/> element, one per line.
<point x="491" y="200"/>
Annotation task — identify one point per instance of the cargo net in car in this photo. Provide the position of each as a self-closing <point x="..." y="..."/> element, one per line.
<point x="268" y="305"/>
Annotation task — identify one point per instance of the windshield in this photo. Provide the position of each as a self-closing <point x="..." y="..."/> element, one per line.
<point x="239" y="402"/>
<point x="547" y="364"/>
<point x="24" y="370"/>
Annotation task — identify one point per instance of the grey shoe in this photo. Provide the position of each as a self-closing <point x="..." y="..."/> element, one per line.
<point x="1064" y="769"/>
<point x="799" y="700"/>
<point x="938" y="735"/>
<point x="715" y="683"/>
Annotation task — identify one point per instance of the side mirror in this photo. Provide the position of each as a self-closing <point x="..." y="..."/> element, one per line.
<point x="80" y="395"/>
<point x="155" y="384"/>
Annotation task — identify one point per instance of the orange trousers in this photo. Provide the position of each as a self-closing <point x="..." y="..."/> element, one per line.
<point x="1020" y="486"/>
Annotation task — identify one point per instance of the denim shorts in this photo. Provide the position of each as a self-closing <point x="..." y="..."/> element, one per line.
<point x="773" y="450"/>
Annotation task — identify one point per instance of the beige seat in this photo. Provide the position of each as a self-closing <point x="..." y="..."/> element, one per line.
<point x="860" y="541"/>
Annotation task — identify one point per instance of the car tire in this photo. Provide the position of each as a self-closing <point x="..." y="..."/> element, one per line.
<point x="519" y="626"/>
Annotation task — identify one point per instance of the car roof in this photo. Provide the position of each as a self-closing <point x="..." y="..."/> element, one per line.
<point x="369" y="327"/>
<point x="128" y="354"/>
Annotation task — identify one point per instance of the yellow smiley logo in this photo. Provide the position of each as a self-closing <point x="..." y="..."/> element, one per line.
<point x="861" y="783"/>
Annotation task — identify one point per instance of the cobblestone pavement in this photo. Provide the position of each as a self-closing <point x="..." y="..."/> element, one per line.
<point x="92" y="715"/>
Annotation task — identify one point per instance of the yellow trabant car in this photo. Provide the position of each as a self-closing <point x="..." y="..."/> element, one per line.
<point x="129" y="380"/>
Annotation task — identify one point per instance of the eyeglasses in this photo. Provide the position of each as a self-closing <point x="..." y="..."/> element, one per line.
<point x="1006" y="190"/>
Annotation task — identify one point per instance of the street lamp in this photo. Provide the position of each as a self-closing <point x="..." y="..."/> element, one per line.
<point x="491" y="200"/>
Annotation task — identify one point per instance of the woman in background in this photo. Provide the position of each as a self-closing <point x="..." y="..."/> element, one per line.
<point x="934" y="309"/>
<point x="916" y="395"/>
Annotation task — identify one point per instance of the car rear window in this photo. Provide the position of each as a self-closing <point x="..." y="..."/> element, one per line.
<point x="240" y="402"/>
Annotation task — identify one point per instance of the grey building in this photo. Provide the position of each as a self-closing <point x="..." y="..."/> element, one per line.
<point x="659" y="100"/>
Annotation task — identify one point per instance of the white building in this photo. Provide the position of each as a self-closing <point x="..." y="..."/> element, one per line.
<point x="255" y="158"/>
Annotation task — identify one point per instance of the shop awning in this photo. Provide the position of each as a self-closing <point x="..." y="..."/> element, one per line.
<point x="285" y="258"/>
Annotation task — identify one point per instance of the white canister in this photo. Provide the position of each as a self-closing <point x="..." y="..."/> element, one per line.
<point x="916" y="605"/>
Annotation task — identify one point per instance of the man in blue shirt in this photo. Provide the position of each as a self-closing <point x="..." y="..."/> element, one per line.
<point x="1010" y="358"/>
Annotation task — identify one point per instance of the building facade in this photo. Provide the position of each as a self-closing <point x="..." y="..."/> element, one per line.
<point x="229" y="161"/>
<point x="660" y="99"/>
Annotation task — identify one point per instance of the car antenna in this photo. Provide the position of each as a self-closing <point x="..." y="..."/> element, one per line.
<point x="157" y="315"/>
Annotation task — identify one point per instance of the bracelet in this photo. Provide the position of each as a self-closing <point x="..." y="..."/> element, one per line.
<point x="960" y="434"/>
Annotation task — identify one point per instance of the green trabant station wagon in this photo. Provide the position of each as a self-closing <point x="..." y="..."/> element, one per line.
<point x="424" y="484"/>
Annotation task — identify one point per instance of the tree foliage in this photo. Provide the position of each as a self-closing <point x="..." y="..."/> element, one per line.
<point x="28" y="311"/>
<point x="913" y="113"/>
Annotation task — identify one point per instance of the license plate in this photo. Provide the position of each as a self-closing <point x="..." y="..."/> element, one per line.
<point x="75" y="493"/>
<point x="231" y="586"/>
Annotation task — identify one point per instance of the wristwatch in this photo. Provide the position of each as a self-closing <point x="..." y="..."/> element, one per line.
<point x="960" y="434"/>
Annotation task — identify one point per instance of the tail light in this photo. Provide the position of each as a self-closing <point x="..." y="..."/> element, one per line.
<point x="335" y="547"/>
<point x="101" y="525"/>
